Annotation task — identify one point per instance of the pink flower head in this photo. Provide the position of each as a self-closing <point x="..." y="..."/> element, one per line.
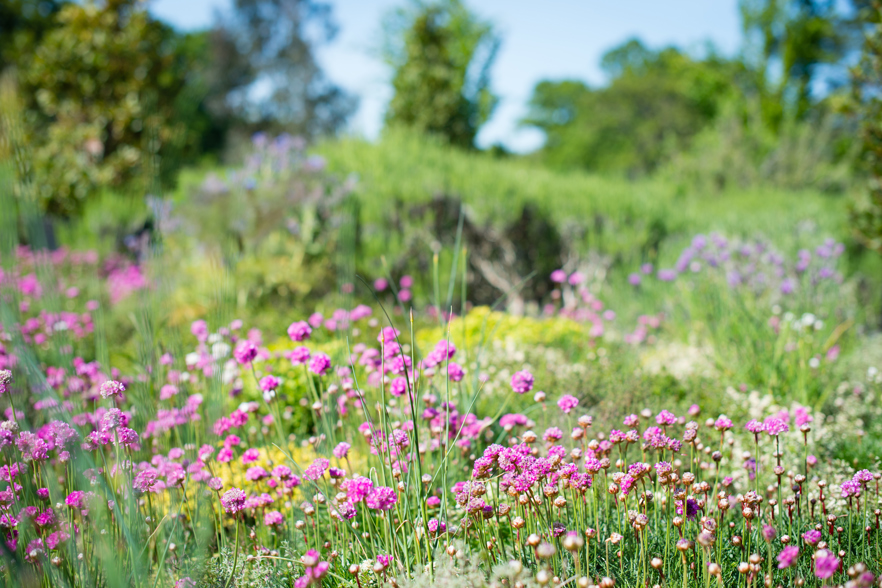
<point x="665" y="418"/>
<point x="826" y="564"/>
<point x="723" y="423"/>
<point x="273" y="518"/>
<point x="269" y="383"/>
<point x="788" y="557"/>
<point x="455" y="372"/>
<point x="298" y="355"/>
<point x="558" y="276"/>
<point x="299" y="331"/>
<point x="522" y="382"/>
<point x="320" y="364"/>
<point x="388" y="335"/>
<point x="754" y="426"/>
<point x="775" y="427"/>
<point x="233" y="500"/>
<point x="812" y="537"/>
<point x="112" y="388"/>
<point x="567" y="403"/>
<point x="5" y="380"/>
<point x="342" y="450"/>
<point x="381" y="498"/>
<point x="245" y="352"/>
<point x="317" y="469"/>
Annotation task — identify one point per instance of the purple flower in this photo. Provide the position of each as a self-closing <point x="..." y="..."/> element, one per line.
<point x="381" y="498"/>
<point x="634" y="279"/>
<point x="558" y="276"/>
<point x="299" y="331"/>
<point x="667" y="275"/>
<point x="522" y="382"/>
<point x="567" y="403"/>
<point x="233" y="500"/>
<point x="665" y="418"/>
<point x="320" y="364"/>
<point x="788" y="557"/>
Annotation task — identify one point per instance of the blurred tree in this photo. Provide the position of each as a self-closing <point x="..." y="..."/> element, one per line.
<point x="866" y="216"/>
<point x="261" y="70"/>
<point x="22" y="25"/>
<point x="656" y="101"/>
<point x="442" y="54"/>
<point x="786" y="44"/>
<point x="100" y="89"/>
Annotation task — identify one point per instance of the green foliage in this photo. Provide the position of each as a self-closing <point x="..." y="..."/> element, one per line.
<point x="442" y="54"/>
<point x="786" y="42"/>
<point x="100" y="89"/>
<point x="867" y="215"/>
<point x="739" y="150"/>
<point x="655" y="103"/>
<point x="22" y="24"/>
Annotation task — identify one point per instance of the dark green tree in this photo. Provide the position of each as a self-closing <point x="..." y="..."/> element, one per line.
<point x="866" y="216"/>
<point x="442" y="54"/>
<point x="22" y="24"/>
<point x="99" y="92"/>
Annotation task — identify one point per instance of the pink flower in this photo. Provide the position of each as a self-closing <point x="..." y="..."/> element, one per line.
<point x="558" y="276"/>
<point x="522" y="382"/>
<point x="320" y="364"/>
<point x="775" y="426"/>
<point x="454" y="372"/>
<point x="245" y="352"/>
<point x="723" y="423"/>
<point x="788" y="557"/>
<point x="5" y="380"/>
<point x="826" y="564"/>
<point x="273" y="518"/>
<point x="233" y="500"/>
<point x="567" y="403"/>
<point x="317" y="469"/>
<point x="342" y="450"/>
<point x="381" y="498"/>
<point x="299" y="331"/>
<point x="298" y="355"/>
<point x="112" y="388"/>
<point x="269" y="383"/>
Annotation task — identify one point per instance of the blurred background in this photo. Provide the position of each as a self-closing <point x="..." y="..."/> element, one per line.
<point x="304" y="145"/>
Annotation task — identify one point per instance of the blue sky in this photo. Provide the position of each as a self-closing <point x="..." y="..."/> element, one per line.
<point x="548" y="39"/>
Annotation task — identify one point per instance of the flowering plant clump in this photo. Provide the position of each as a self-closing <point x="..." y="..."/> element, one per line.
<point x="342" y="451"/>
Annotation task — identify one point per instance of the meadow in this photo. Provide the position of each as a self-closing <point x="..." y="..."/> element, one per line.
<point x="312" y="370"/>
